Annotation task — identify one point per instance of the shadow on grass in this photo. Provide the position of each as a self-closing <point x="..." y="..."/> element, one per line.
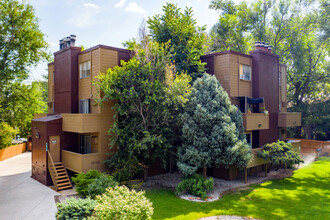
<point x="305" y="195"/>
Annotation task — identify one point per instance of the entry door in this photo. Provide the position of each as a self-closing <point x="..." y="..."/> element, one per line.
<point x="54" y="147"/>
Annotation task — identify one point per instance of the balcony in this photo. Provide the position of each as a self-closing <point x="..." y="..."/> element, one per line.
<point x="289" y="119"/>
<point x="255" y="121"/>
<point x="82" y="162"/>
<point x="81" y="123"/>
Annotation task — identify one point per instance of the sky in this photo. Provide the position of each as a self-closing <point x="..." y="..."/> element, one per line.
<point x="108" y="22"/>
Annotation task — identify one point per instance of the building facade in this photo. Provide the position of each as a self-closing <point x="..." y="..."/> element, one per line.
<point x="75" y="130"/>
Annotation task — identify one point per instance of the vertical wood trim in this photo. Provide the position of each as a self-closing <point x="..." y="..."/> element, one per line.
<point x="91" y="73"/>
<point x="239" y="68"/>
<point x="229" y="72"/>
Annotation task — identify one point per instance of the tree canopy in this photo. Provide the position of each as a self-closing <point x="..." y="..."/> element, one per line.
<point x="22" y="46"/>
<point x="186" y="39"/>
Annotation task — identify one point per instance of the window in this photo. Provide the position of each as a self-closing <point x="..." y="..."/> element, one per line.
<point x="85" y="144"/>
<point x="84" y="106"/>
<point x="245" y="72"/>
<point x="85" y="69"/>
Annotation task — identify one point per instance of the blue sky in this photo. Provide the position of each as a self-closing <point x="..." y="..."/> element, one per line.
<point x="109" y="22"/>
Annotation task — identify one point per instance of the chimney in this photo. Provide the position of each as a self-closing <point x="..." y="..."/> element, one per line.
<point x="266" y="47"/>
<point x="270" y="48"/>
<point x="68" y="41"/>
<point x="73" y="39"/>
<point x="257" y="45"/>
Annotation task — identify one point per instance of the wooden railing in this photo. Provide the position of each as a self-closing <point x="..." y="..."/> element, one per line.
<point x="52" y="170"/>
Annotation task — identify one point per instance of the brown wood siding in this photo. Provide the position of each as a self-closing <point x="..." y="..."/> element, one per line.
<point x="239" y="87"/>
<point x="50" y="87"/>
<point x="221" y="71"/>
<point x="85" y="88"/>
<point x="265" y="72"/>
<point x="283" y="91"/>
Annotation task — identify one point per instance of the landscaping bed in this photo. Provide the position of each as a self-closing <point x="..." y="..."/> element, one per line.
<point x="221" y="186"/>
<point x="304" y="195"/>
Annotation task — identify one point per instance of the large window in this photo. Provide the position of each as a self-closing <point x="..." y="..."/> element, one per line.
<point x="84" y="106"/>
<point x="245" y="72"/>
<point x="249" y="138"/>
<point x="85" y="69"/>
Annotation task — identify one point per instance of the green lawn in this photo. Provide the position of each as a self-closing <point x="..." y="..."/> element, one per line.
<point x="305" y="195"/>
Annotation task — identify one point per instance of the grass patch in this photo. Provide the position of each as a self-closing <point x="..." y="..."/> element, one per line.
<point x="305" y="195"/>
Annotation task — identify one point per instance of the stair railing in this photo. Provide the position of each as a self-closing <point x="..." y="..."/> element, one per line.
<point x="52" y="170"/>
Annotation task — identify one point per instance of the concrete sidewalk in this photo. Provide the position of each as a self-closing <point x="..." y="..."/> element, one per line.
<point x="22" y="197"/>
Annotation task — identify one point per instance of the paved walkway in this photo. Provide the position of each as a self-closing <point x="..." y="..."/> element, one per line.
<point x="22" y="197"/>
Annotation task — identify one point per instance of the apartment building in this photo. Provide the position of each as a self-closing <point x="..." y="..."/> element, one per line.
<point x="256" y="84"/>
<point x="74" y="133"/>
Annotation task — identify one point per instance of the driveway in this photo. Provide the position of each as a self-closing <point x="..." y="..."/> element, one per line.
<point x="22" y="197"/>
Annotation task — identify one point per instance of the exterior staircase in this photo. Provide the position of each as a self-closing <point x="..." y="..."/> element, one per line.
<point x="58" y="174"/>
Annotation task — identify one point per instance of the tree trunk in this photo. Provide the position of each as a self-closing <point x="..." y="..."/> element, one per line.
<point x="204" y="172"/>
<point x="145" y="174"/>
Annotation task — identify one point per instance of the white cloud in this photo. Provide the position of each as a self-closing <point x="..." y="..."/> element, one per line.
<point x="120" y="4"/>
<point x="134" y="7"/>
<point x="91" y="5"/>
<point x="86" y="16"/>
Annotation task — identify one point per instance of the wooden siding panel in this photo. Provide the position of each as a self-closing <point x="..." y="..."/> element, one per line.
<point x="245" y="88"/>
<point x="221" y="71"/>
<point x="234" y="75"/>
<point x="96" y="61"/>
<point x="50" y="88"/>
<point x="85" y="88"/>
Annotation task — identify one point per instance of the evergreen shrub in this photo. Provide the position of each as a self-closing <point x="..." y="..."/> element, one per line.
<point x="82" y="180"/>
<point x="75" y="209"/>
<point x="195" y="185"/>
<point x="100" y="184"/>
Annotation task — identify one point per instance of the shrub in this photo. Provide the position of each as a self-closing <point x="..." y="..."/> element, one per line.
<point x="121" y="203"/>
<point x="75" y="209"/>
<point x="99" y="185"/>
<point x="280" y="153"/>
<point x="82" y="180"/>
<point x="195" y="185"/>
<point x="7" y="134"/>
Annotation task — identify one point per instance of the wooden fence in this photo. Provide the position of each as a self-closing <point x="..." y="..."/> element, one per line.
<point x="12" y="151"/>
<point x="311" y="146"/>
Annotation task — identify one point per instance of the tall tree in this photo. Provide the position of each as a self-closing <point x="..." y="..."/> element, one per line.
<point x="212" y="129"/>
<point x="186" y="39"/>
<point x="149" y="96"/>
<point x="22" y="44"/>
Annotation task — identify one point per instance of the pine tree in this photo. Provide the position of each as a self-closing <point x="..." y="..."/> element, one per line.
<point x="212" y="131"/>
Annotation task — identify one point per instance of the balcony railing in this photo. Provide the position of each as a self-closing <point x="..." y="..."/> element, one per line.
<point x="255" y="121"/>
<point x="81" y="123"/>
<point x="289" y="119"/>
<point x="82" y="162"/>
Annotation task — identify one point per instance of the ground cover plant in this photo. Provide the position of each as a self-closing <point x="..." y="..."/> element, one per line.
<point x="305" y="195"/>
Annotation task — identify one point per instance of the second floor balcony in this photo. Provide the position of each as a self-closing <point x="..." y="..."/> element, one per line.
<point x="81" y="123"/>
<point x="255" y="121"/>
<point x="289" y="119"/>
